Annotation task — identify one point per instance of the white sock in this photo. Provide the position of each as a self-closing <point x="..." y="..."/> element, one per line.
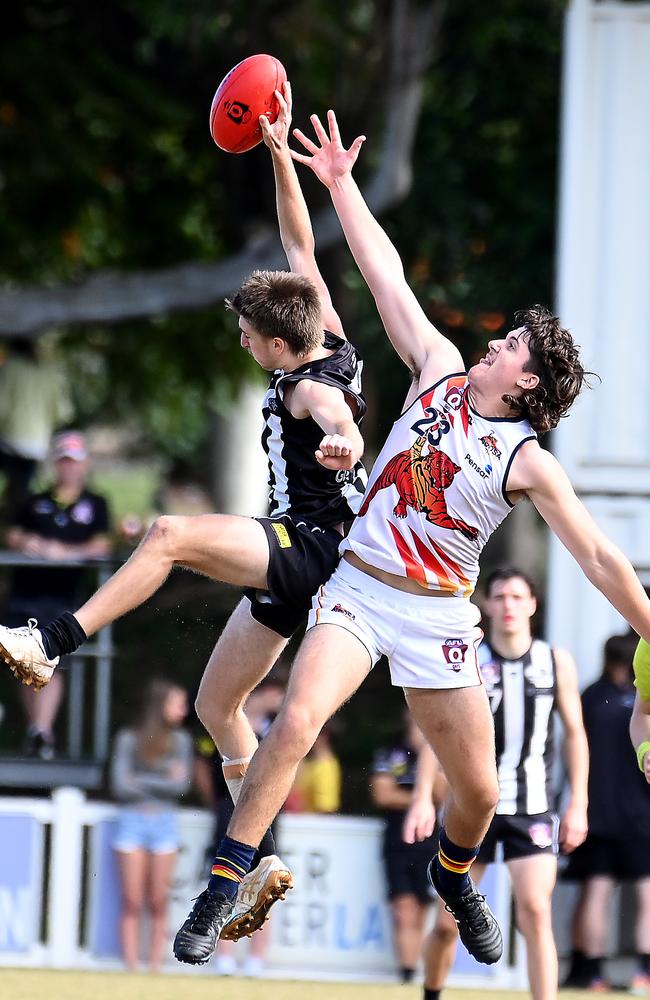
<point x="234" y="772"/>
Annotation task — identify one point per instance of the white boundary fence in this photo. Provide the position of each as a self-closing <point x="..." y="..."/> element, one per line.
<point x="59" y="893"/>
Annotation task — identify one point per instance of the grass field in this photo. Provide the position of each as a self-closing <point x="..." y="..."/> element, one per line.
<point x="44" y="984"/>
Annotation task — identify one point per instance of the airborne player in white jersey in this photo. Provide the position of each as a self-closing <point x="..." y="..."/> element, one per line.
<point x="410" y="563"/>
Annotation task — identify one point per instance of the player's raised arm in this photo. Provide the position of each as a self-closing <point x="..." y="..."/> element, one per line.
<point x="293" y="215"/>
<point x="420" y="345"/>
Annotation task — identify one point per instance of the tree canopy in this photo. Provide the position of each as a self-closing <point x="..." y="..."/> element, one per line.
<point x="108" y="171"/>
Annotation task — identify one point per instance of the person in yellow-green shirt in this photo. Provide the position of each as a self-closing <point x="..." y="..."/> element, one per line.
<point x="317" y="788"/>
<point x="640" y="721"/>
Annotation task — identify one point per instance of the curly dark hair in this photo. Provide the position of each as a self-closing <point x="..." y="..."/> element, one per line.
<point x="555" y="358"/>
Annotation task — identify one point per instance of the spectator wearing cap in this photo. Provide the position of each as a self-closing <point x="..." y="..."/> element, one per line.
<point x="65" y="522"/>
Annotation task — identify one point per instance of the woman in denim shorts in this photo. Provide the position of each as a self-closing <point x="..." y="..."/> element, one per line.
<point x="151" y="769"/>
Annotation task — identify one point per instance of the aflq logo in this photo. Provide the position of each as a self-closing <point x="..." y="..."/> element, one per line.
<point x="454" y="650"/>
<point x="238" y="113"/>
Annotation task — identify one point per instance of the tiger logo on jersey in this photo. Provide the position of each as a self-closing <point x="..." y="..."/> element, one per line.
<point x="421" y="481"/>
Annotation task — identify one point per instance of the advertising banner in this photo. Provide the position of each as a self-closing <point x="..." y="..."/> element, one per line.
<point x="21" y="876"/>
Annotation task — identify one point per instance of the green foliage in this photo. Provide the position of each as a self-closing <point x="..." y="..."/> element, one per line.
<point x="107" y="163"/>
<point x="477" y="230"/>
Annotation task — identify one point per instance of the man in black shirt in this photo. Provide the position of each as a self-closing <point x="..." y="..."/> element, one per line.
<point x="617" y="847"/>
<point x="66" y="521"/>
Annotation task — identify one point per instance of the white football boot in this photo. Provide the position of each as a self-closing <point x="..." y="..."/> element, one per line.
<point x="23" y="652"/>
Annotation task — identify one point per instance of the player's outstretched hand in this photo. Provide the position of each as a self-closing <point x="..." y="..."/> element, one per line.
<point x="329" y="160"/>
<point x="336" y="452"/>
<point x="419" y="821"/>
<point x="276" y="136"/>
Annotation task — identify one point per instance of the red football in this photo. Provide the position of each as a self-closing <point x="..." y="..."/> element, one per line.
<point x="242" y="96"/>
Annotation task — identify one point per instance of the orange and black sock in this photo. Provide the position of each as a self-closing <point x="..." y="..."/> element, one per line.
<point x="452" y="865"/>
<point x="232" y="862"/>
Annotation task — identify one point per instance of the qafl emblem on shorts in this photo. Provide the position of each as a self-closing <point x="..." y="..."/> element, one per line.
<point x="541" y="834"/>
<point x="454" y="652"/>
<point x="238" y="113"/>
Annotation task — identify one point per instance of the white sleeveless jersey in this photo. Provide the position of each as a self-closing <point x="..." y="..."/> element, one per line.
<point x="437" y="490"/>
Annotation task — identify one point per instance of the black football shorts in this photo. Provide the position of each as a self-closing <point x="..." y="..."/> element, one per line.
<point x="621" y="858"/>
<point x="521" y="836"/>
<point x="302" y="556"/>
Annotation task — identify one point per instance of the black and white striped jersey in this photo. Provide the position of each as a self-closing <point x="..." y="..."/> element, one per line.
<point x="522" y="698"/>
<point x="298" y="485"/>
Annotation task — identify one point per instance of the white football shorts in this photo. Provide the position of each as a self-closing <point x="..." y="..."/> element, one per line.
<point x="430" y="642"/>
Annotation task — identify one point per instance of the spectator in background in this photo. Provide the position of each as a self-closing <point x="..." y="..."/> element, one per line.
<point x="151" y="768"/>
<point x="65" y="522"/>
<point x="617" y="847"/>
<point x="261" y="708"/>
<point x="33" y="402"/>
<point x="405" y="865"/>
<point x="317" y="788"/>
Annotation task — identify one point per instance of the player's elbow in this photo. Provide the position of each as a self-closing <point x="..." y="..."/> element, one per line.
<point x="602" y="565"/>
<point x="300" y="251"/>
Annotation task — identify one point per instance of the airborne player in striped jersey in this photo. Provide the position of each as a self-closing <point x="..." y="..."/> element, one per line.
<point x="312" y="412"/>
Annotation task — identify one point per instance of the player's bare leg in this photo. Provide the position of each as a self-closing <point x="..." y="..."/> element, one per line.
<point x="533" y="880"/>
<point x="231" y="549"/>
<point x="220" y="706"/>
<point x="223" y="690"/>
<point x="330" y="666"/>
<point x="221" y="546"/>
<point x="408" y="920"/>
<point x="596" y="907"/>
<point x="458" y="725"/>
